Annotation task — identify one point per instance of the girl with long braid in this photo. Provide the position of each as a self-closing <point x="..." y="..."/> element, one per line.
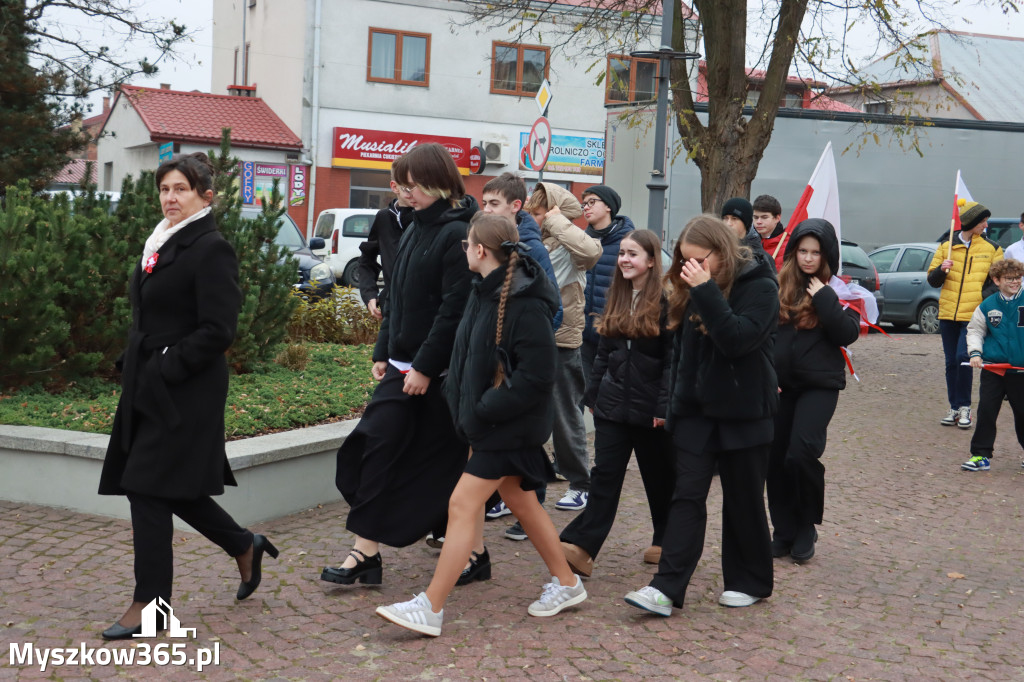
<point x="499" y="391"/>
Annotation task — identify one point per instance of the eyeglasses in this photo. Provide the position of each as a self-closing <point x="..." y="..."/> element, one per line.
<point x="1010" y="279"/>
<point x="700" y="261"/>
<point x="590" y="202"/>
<point x="406" y="190"/>
<point x="465" y="245"/>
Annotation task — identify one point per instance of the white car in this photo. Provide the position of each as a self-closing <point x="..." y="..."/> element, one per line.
<point x="343" y="230"/>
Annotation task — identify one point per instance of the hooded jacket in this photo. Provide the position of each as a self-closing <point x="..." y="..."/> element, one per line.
<point x="962" y="287"/>
<point x="385" y="234"/>
<point x="572" y="253"/>
<point x="812" y="358"/>
<point x="428" y="288"/>
<point x="727" y="374"/>
<point x="518" y="414"/>
<point x="599" y="277"/>
<point x="529" y="234"/>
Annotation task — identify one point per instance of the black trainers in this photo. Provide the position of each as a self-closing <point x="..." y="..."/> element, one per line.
<point x="515" y="532"/>
<point x="803" y="544"/>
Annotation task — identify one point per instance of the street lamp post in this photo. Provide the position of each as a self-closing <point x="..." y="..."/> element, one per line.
<point x="659" y="178"/>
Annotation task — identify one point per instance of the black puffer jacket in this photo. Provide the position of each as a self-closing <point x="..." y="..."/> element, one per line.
<point x="630" y="379"/>
<point x="428" y="288"/>
<point x="519" y="414"/>
<point x="728" y="374"/>
<point x="811" y="358"/>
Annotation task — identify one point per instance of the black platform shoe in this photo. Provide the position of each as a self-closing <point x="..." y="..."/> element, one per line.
<point x="260" y="544"/>
<point x="118" y="631"/>
<point x="803" y="545"/>
<point x="368" y="570"/>
<point x="479" y="568"/>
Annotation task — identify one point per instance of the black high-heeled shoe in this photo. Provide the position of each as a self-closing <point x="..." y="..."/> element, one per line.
<point x="260" y="544"/>
<point x="479" y="568"/>
<point x="368" y="570"/>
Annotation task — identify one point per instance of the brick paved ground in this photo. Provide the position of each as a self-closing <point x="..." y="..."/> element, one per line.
<point x="917" y="577"/>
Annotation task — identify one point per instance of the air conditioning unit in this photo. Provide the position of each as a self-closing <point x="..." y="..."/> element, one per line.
<point x="498" y="153"/>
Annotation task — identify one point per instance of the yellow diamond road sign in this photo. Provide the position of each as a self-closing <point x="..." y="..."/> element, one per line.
<point x="543" y="98"/>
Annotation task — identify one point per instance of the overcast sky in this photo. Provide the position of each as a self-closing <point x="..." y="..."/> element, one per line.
<point x="192" y="70"/>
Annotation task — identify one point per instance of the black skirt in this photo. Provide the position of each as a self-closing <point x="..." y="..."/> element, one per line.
<point x="530" y="462"/>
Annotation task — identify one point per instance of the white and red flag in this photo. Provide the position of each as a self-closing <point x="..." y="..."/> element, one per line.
<point x="960" y="195"/>
<point x="820" y="199"/>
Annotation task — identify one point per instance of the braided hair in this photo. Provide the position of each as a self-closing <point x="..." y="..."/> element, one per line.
<point x="499" y="235"/>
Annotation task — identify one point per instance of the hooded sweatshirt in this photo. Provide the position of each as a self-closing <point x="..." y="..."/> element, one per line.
<point x="529" y="234"/>
<point x="572" y="253"/>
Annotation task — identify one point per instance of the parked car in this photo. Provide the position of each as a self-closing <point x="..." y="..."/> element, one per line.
<point x="343" y="230"/>
<point x="909" y="299"/>
<point x="315" y="279"/>
<point x="1003" y="231"/>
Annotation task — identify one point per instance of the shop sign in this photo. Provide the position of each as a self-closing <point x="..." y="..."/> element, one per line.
<point x="362" y="148"/>
<point x="575" y="155"/>
<point x="258" y="181"/>
<point x="297" y="186"/>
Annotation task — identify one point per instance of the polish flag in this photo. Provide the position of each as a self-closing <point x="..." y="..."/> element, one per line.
<point x="960" y="193"/>
<point x="819" y="200"/>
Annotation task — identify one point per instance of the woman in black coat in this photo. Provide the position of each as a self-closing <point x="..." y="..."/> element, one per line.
<point x="166" y="451"/>
<point x="814" y="325"/>
<point x="398" y="467"/>
<point x="628" y="394"/>
<point x="724" y="308"/>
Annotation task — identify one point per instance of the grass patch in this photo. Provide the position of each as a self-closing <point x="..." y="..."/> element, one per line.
<point x="334" y="383"/>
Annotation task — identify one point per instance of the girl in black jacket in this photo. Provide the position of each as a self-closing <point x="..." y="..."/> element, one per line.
<point x="628" y="394"/>
<point x="499" y="393"/>
<point x="724" y="308"/>
<point x="398" y="468"/>
<point x="813" y="326"/>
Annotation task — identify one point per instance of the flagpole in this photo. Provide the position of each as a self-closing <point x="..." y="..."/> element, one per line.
<point x="952" y="220"/>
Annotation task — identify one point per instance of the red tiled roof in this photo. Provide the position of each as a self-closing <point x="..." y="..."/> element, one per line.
<point x="174" y="115"/>
<point x="72" y="172"/>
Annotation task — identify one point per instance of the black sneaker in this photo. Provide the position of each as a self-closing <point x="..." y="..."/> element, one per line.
<point x="781" y="548"/>
<point x="515" y="532"/>
<point x="803" y="544"/>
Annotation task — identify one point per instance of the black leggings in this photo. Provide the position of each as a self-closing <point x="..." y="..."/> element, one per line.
<point x="796" y="476"/>
<point x="153" y="531"/>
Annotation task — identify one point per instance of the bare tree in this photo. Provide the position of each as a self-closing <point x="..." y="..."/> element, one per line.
<point x="806" y="37"/>
<point x="78" y="64"/>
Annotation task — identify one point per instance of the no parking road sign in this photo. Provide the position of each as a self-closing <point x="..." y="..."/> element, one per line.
<point x="538" y="145"/>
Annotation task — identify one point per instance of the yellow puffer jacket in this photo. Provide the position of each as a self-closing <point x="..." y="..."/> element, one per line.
<point x="961" y="287"/>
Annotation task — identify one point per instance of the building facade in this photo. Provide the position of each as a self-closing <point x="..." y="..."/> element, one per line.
<point x="364" y="80"/>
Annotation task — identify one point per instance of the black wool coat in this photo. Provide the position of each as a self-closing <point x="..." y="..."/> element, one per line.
<point x="385" y="234"/>
<point x="630" y="380"/>
<point x="521" y="413"/>
<point x="428" y="288"/>
<point x="728" y="373"/>
<point x="168" y="434"/>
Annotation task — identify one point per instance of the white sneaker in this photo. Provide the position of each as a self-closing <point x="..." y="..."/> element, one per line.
<point x="650" y="599"/>
<point x="964" y="420"/>
<point x="556" y="597"/>
<point x="951" y="418"/>
<point x="737" y="599"/>
<point x="498" y="510"/>
<point x="416" y="614"/>
<point x="573" y="500"/>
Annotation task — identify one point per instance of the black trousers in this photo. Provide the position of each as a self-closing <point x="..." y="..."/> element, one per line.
<point x="613" y="444"/>
<point x="153" y="530"/>
<point x="746" y="543"/>
<point x="796" y="476"/>
<point x="991" y="391"/>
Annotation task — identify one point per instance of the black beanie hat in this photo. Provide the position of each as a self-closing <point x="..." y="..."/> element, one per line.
<point x="606" y="194"/>
<point x="741" y="208"/>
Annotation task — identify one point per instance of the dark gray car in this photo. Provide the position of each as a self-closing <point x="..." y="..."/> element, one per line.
<point x="909" y="299"/>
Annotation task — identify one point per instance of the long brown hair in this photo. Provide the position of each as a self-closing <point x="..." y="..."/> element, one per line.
<point x="708" y="232"/>
<point x="795" y="305"/>
<point x="621" y="318"/>
<point x="491" y="230"/>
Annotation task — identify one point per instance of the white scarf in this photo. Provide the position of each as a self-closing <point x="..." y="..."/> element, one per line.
<point x="164" y="231"/>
